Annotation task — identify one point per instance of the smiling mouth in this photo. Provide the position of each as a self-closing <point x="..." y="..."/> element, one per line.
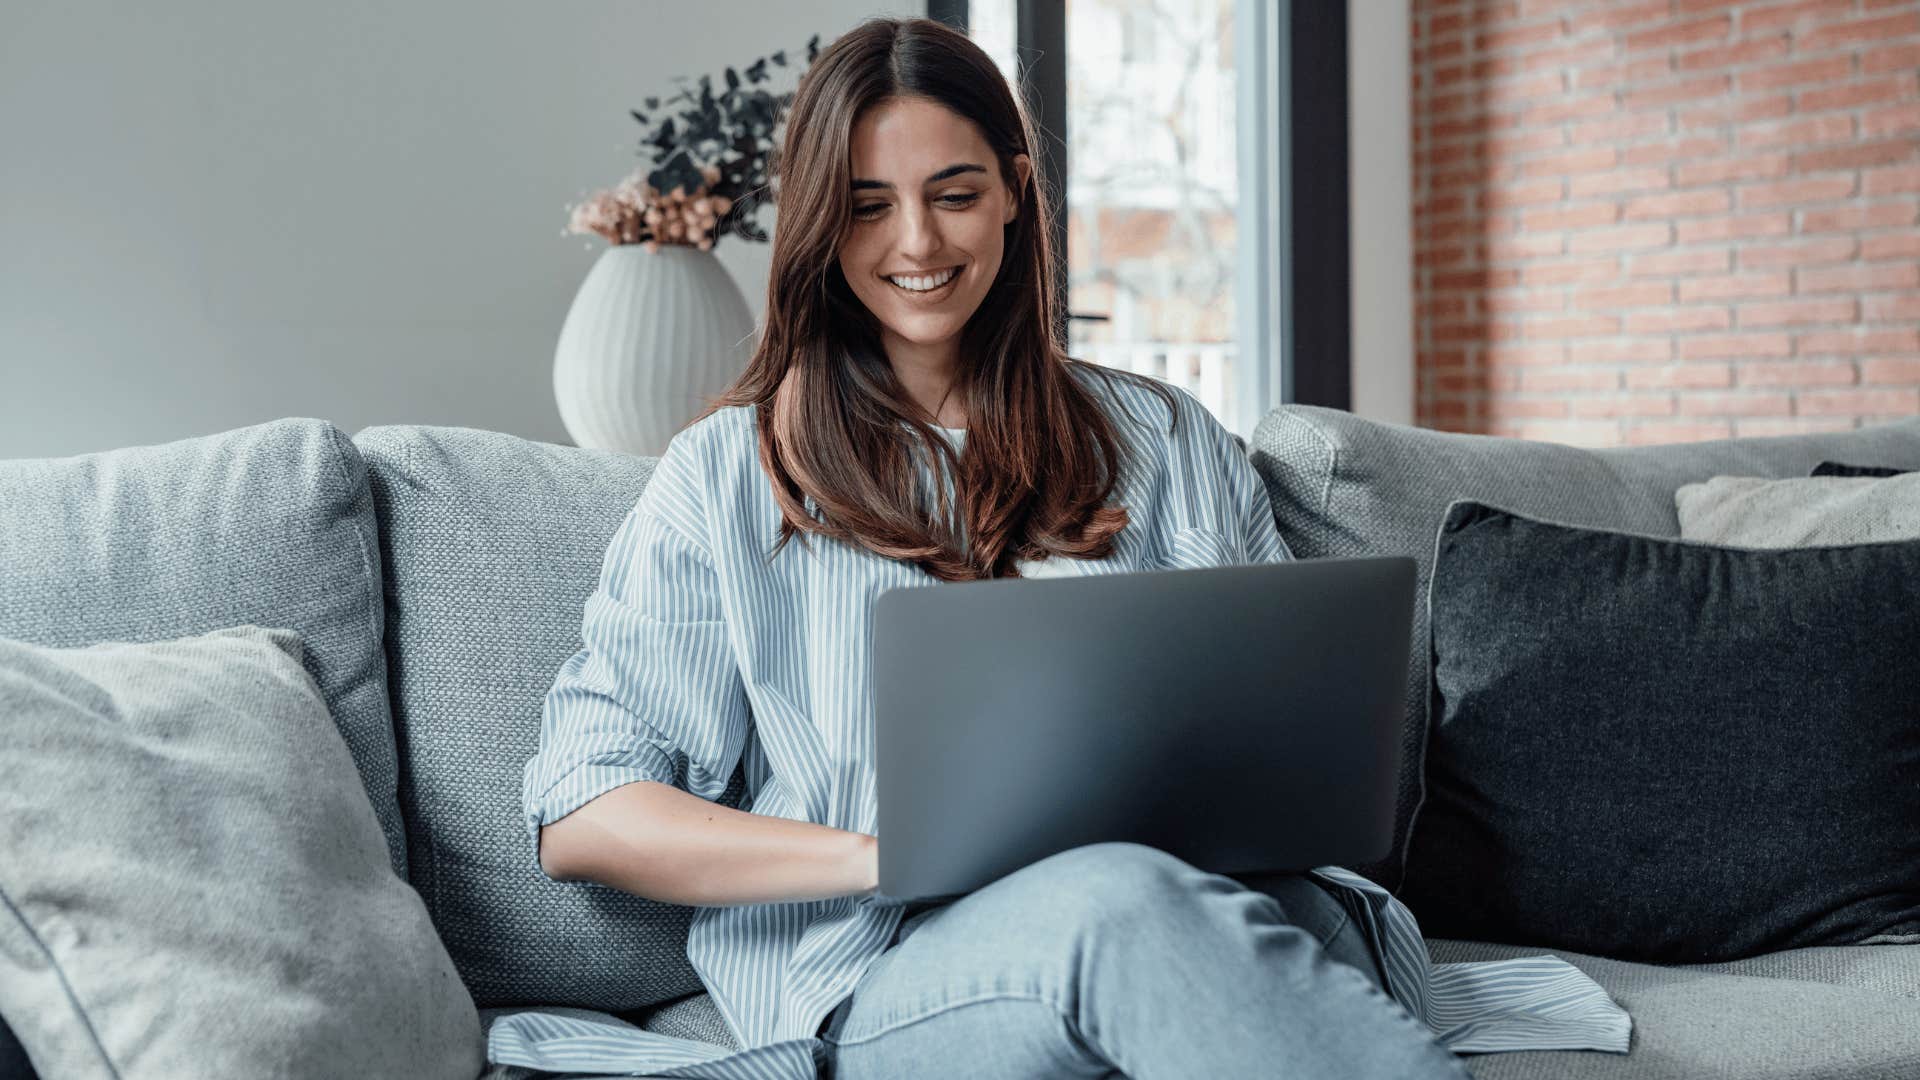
<point x="924" y="284"/>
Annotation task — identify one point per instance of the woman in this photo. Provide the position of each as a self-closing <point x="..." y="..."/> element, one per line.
<point x="910" y="418"/>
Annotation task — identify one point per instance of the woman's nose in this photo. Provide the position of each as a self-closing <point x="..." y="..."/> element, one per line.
<point x="919" y="234"/>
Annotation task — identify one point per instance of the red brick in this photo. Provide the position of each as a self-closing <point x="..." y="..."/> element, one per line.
<point x="1559" y="58"/>
<point x="1523" y="407"/>
<point x="1516" y="37"/>
<point x="1862" y="155"/>
<point x="1754" y="427"/>
<point x="1795" y="373"/>
<point x="1615" y="181"/>
<point x="1799" y="312"/>
<point x="1645" y="294"/>
<point x="1774" y="76"/>
<point x="1734" y="228"/>
<point x="1898" y="370"/>
<point x="1876" y="402"/>
<point x="1892" y="120"/>
<point x="1735" y="110"/>
<point x="1714" y="260"/>
<point x="1734" y="347"/>
<point x="1890" y="308"/>
<point x="1619" y="126"/>
<point x="1836" y="34"/>
<point x="1577" y="216"/>
<point x="1523" y="300"/>
<point x="1573" y="326"/>
<point x="1707" y="86"/>
<point x="1575" y="270"/>
<point x="1475" y="279"/>
<point x="1529" y="355"/>
<point x="1724" y="56"/>
<point x="1509" y="143"/>
<point x="1525" y="246"/>
<point x="1661" y="432"/>
<point x="1890" y="180"/>
<point x="1834" y="127"/>
<point x="1856" y="342"/>
<point x="1681" y="375"/>
<point x="1740" y="168"/>
<point x="1735" y="404"/>
<point x="1616" y="15"/>
<point x="1508" y="92"/>
<point x="1621" y="238"/>
<point x="1631" y="73"/>
<point x="1681" y="33"/>
<point x="1902" y="245"/>
<point x="1673" y="150"/>
<point x="1800" y="13"/>
<point x="1902" y="56"/>
<point x="1624" y="405"/>
<point x="1797" y="192"/>
<point x="1554" y="112"/>
<point x="1678" y="320"/>
<point x="1878" y="215"/>
<point x="1571" y="432"/>
<point x="1736" y="287"/>
<point x="1591" y="159"/>
<point x="1621" y="351"/>
<point x="1860" y="278"/>
<point x="1557" y="380"/>
<point x="1854" y="94"/>
<point x="1802" y="253"/>
<point x="1677" y="204"/>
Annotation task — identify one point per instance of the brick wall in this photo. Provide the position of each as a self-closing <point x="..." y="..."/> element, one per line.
<point x="1664" y="221"/>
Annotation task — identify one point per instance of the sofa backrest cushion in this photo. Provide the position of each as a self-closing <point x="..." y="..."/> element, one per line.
<point x="492" y="544"/>
<point x="271" y="525"/>
<point x="1345" y="486"/>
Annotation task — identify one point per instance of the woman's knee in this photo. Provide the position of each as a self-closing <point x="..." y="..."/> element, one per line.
<point x="1109" y="883"/>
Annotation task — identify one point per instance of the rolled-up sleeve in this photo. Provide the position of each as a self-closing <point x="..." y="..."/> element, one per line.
<point x="654" y="687"/>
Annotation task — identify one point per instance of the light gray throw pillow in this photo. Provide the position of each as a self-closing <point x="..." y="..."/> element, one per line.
<point x="193" y="881"/>
<point x="1817" y="511"/>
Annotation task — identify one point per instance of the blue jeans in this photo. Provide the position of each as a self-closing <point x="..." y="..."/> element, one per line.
<point x="1118" y="960"/>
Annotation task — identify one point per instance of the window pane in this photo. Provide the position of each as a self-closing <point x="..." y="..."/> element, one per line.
<point x="1152" y="190"/>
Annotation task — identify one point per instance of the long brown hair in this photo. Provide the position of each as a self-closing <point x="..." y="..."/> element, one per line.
<point x="836" y="425"/>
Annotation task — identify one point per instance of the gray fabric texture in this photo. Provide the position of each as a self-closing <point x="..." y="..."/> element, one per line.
<point x="1665" y="751"/>
<point x="1845" y="1013"/>
<point x="491" y="545"/>
<point x="271" y="525"/>
<point x="1747" y="511"/>
<point x="192" y="881"/>
<point x="1345" y="486"/>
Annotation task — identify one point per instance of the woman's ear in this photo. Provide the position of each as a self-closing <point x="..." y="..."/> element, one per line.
<point x="1023" y="172"/>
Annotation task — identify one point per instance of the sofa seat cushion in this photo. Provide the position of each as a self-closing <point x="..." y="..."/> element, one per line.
<point x="1836" y="1013"/>
<point x="1345" y="486"/>
<point x="271" y="525"/>
<point x="491" y="544"/>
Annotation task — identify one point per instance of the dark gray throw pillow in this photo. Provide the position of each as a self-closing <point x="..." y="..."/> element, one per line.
<point x="1838" y="468"/>
<point x="1666" y="751"/>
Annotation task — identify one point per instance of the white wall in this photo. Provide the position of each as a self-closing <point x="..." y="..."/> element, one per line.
<point x="218" y="213"/>
<point x="1378" y="129"/>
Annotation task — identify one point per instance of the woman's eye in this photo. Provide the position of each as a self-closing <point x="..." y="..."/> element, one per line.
<point x="951" y="202"/>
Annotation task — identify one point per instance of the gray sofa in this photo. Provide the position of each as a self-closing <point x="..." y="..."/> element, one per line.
<point x="438" y="575"/>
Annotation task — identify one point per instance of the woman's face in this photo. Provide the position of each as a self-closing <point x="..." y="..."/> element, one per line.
<point x="929" y="208"/>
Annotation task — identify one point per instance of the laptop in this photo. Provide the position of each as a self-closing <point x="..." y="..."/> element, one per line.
<point x="1244" y="718"/>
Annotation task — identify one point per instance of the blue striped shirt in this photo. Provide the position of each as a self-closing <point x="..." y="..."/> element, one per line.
<point x="698" y="651"/>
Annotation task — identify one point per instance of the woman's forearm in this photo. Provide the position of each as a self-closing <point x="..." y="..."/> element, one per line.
<point x="656" y="841"/>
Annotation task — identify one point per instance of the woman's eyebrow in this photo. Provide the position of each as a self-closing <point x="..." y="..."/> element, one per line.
<point x="944" y="174"/>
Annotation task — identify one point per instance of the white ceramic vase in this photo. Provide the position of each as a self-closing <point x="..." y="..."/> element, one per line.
<point x="650" y="339"/>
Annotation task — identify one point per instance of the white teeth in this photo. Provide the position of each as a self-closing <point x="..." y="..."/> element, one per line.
<point x="923" y="284"/>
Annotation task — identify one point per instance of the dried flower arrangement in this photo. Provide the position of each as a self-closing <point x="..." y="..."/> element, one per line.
<point x="708" y="174"/>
